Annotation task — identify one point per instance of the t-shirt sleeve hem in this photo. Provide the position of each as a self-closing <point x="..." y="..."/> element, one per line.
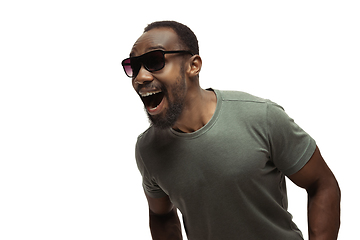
<point x="154" y="194"/>
<point x="303" y="160"/>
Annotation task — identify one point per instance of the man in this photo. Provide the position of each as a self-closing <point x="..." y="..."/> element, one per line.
<point x="220" y="157"/>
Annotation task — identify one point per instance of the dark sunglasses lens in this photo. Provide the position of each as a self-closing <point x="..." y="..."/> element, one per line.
<point x="135" y="66"/>
<point x="154" y="61"/>
<point x="127" y="67"/>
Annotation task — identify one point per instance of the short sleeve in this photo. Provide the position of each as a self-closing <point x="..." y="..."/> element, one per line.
<point x="151" y="188"/>
<point x="290" y="146"/>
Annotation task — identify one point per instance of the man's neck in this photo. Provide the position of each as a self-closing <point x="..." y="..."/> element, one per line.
<point x="198" y="110"/>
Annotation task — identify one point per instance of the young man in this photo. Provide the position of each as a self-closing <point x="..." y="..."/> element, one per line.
<point x="220" y="157"/>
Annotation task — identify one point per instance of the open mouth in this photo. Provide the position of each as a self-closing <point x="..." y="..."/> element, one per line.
<point x="152" y="99"/>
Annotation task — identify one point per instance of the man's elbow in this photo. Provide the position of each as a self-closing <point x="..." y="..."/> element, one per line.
<point x="325" y="186"/>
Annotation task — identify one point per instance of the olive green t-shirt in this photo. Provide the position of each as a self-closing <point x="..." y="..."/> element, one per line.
<point x="227" y="178"/>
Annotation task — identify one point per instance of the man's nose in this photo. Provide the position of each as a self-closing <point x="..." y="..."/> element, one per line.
<point x="143" y="76"/>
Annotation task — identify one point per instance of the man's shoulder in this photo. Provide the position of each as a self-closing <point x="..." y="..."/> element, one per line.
<point x="241" y="97"/>
<point x="227" y="95"/>
<point x="147" y="133"/>
<point x="246" y="105"/>
<point x="152" y="136"/>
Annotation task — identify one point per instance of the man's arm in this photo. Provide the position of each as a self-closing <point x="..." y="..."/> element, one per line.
<point x="323" y="198"/>
<point x="164" y="221"/>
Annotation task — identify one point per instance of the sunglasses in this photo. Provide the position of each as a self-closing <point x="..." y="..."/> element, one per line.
<point x="152" y="61"/>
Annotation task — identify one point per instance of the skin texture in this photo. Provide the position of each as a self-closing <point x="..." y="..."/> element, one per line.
<point x="198" y="107"/>
<point x="323" y="198"/>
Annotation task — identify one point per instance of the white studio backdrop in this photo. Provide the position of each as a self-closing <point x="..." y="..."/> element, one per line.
<point x="69" y="117"/>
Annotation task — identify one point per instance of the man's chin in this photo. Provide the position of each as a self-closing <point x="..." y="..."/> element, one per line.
<point x="167" y="118"/>
<point x="160" y="122"/>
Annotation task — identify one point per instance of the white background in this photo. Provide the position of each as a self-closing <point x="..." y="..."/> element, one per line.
<point x="69" y="117"/>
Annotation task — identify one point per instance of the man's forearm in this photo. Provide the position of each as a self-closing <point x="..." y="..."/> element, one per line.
<point x="324" y="212"/>
<point x="165" y="227"/>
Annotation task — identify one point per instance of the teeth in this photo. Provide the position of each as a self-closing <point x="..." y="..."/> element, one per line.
<point x="146" y="94"/>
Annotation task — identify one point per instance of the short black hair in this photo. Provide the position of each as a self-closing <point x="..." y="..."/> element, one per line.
<point x="185" y="34"/>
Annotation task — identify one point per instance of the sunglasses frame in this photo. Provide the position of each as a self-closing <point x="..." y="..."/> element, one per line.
<point x="124" y="63"/>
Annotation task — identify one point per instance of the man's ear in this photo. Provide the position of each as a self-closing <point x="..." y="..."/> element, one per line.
<point x="194" y="66"/>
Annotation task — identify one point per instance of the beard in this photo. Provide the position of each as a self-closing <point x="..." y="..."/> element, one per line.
<point x="175" y="106"/>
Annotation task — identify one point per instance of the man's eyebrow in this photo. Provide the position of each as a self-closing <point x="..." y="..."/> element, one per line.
<point x="149" y="49"/>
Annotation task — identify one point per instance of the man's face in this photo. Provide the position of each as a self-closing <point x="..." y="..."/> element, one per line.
<point x="163" y="92"/>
